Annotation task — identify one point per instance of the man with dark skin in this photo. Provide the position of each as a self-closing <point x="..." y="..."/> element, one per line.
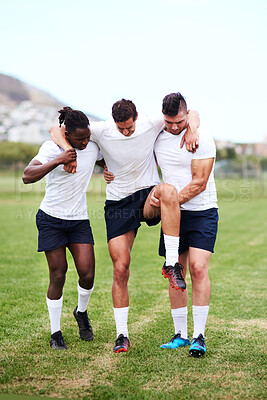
<point x="62" y="219"/>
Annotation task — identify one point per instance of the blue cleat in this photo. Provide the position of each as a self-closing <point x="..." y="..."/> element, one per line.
<point x="176" y="342"/>
<point x="197" y="348"/>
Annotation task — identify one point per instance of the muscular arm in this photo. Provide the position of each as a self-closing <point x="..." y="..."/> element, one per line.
<point x="201" y="170"/>
<point x="36" y="170"/>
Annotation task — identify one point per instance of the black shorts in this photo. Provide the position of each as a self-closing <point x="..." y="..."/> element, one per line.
<point x="197" y="229"/>
<point x="56" y="232"/>
<point x="125" y="215"/>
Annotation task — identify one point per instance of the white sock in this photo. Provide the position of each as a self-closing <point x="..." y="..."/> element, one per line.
<point x="179" y="316"/>
<point x="172" y="247"/>
<point x="200" y="315"/>
<point x="83" y="298"/>
<point x="54" y="309"/>
<point x="121" y="318"/>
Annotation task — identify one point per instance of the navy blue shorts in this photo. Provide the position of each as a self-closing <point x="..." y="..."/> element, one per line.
<point x="197" y="229"/>
<point x="56" y="232"/>
<point x="125" y="215"/>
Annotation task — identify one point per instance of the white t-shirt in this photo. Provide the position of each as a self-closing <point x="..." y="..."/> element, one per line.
<point x="129" y="158"/>
<point x="175" y="164"/>
<point x="65" y="194"/>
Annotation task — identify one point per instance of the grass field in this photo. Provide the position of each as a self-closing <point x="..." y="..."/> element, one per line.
<point x="235" y="364"/>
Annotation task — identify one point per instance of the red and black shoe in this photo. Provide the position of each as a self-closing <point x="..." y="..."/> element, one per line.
<point x="174" y="274"/>
<point x="122" y="344"/>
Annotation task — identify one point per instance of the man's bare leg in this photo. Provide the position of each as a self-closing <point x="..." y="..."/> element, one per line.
<point x="198" y="266"/>
<point x="120" y="252"/>
<point x="168" y="208"/>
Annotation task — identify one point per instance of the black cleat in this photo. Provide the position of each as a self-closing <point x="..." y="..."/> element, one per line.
<point x="57" y="341"/>
<point x="122" y="344"/>
<point x="174" y="274"/>
<point x="85" y="328"/>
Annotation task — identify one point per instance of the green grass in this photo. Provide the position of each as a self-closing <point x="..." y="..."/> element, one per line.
<point x="235" y="363"/>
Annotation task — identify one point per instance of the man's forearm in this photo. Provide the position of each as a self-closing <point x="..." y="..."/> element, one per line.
<point x="35" y="172"/>
<point x="193" y="119"/>
<point x="58" y="136"/>
<point x="191" y="190"/>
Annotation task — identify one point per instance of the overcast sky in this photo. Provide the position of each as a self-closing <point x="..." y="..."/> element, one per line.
<point x="90" y="53"/>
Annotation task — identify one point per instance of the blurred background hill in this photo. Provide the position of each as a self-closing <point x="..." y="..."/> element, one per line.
<point x="26" y="114"/>
<point x="13" y="92"/>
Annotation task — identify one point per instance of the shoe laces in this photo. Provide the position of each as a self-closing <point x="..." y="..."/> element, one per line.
<point x="200" y="340"/>
<point x="85" y="319"/>
<point x="177" y="269"/>
<point x="176" y="336"/>
<point x="59" y="339"/>
<point x="120" y="340"/>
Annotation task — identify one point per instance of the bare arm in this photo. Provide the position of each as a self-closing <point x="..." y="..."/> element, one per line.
<point x="36" y="170"/>
<point x="58" y="136"/>
<point x="193" y="118"/>
<point x="191" y="135"/>
<point x="201" y="170"/>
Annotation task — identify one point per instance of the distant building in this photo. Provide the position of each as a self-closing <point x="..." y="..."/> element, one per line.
<point x="244" y="149"/>
<point x="223" y="144"/>
<point x="248" y="149"/>
<point x="28" y="123"/>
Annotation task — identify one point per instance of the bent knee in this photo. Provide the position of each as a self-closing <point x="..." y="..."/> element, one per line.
<point x="167" y="193"/>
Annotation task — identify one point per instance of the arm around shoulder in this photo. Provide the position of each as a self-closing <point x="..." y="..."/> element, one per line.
<point x="193" y="118"/>
<point x="191" y="136"/>
<point x="58" y="136"/>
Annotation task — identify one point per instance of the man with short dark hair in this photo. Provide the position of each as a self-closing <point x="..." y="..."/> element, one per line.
<point x="127" y="145"/>
<point x="192" y="175"/>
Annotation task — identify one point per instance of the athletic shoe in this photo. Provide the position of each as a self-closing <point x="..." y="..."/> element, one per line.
<point x="176" y="341"/>
<point x="122" y="344"/>
<point x="197" y="348"/>
<point x="85" y="329"/>
<point x="175" y="275"/>
<point x="57" y="341"/>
